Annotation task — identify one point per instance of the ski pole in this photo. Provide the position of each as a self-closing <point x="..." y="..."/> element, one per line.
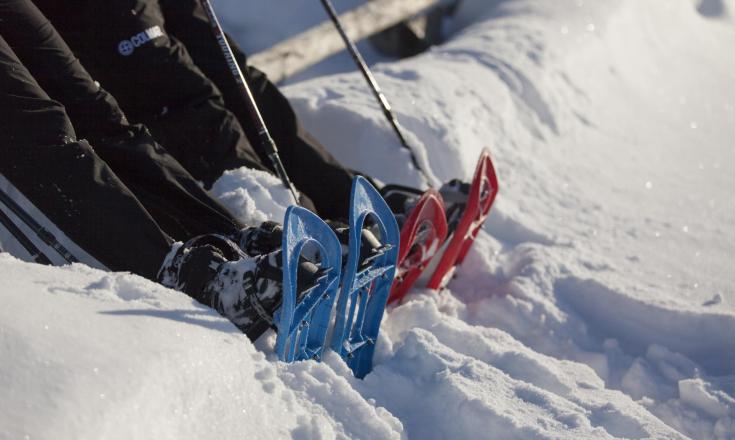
<point x="266" y="141"/>
<point x="36" y="254"/>
<point x="42" y="233"/>
<point x="370" y="78"/>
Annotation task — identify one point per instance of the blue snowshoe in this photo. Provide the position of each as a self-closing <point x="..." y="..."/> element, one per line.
<point x="367" y="279"/>
<point x="303" y="318"/>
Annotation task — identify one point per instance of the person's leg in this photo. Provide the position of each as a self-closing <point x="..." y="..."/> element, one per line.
<point x="312" y="168"/>
<point x="58" y="72"/>
<point x="64" y="185"/>
<point x="176" y="201"/>
<point x="72" y="193"/>
<point x="168" y="192"/>
<point x="126" y="46"/>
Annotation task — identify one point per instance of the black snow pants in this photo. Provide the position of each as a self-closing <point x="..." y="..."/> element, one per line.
<point x="118" y="205"/>
<point x="159" y="58"/>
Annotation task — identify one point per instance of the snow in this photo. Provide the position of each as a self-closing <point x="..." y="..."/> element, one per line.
<point x="253" y="196"/>
<point x="598" y="302"/>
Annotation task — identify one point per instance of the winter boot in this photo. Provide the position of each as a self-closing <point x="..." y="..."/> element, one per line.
<point x="369" y="243"/>
<point x="402" y="200"/>
<point x="246" y="290"/>
<point x="259" y="240"/>
<point x="265" y="238"/>
<point x="455" y="194"/>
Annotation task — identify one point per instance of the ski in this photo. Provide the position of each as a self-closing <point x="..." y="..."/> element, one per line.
<point x="302" y="326"/>
<point x="422" y="234"/>
<point x="482" y="193"/>
<point x="32" y="249"/>
<point x="43" y="234"/>
<point x="366" y="284"/>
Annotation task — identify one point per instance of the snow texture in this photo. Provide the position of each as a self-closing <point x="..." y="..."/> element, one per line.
<point x="598" y="302"/>
<point x="253" y="196"/>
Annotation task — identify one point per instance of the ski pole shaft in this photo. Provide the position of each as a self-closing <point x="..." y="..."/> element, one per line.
<point x="36" y="254"/>
<point x="42" y="233"/>
<point x="264" y="136"/>
<point x="377" y="91"/>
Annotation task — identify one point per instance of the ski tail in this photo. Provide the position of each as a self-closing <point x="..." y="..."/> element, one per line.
<point x="483" y="190"/>
<point x="302" y="325"/>
<point x="36" y="254"/>
<point x="423" y="232"/>
<point x="43" y="234"/>
<point x="365" y="291"/>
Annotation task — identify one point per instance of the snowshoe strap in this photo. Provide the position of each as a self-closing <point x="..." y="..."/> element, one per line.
<point x="254" y="300"/>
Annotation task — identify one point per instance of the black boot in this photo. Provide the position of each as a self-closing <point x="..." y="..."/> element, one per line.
<point x="402" y="200"/>
<point x="267" y="237"/>
<point x="246" y="290"/>
<point x="455" y="194"/>
<point x="259" y="240"/>
<point x="369" y="243"/>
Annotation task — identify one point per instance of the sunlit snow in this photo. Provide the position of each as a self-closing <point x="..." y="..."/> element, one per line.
<point x="598" y="302"/>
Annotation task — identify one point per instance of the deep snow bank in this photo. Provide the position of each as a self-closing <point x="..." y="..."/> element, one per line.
<point x="90" y="355"/>
<point x="613" y="144"/>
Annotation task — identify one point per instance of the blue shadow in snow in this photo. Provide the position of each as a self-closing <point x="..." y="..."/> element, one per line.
<point x="185" y="316"/>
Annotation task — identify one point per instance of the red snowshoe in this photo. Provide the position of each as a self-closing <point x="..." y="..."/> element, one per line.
<point x="482" y="192"/>
<point x="422" y="234"/>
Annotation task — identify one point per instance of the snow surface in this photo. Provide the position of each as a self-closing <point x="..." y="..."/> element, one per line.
<point x="599" y="302"/>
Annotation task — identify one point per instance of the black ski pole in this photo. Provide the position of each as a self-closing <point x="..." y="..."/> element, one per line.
<point x="36" y="254"/>
<point x="379" y="95"/>
<point x="42" y="233"/>
<point x="266" y="141"/>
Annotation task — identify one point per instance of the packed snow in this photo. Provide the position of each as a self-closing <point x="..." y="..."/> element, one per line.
<point x="598" y="302"/>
